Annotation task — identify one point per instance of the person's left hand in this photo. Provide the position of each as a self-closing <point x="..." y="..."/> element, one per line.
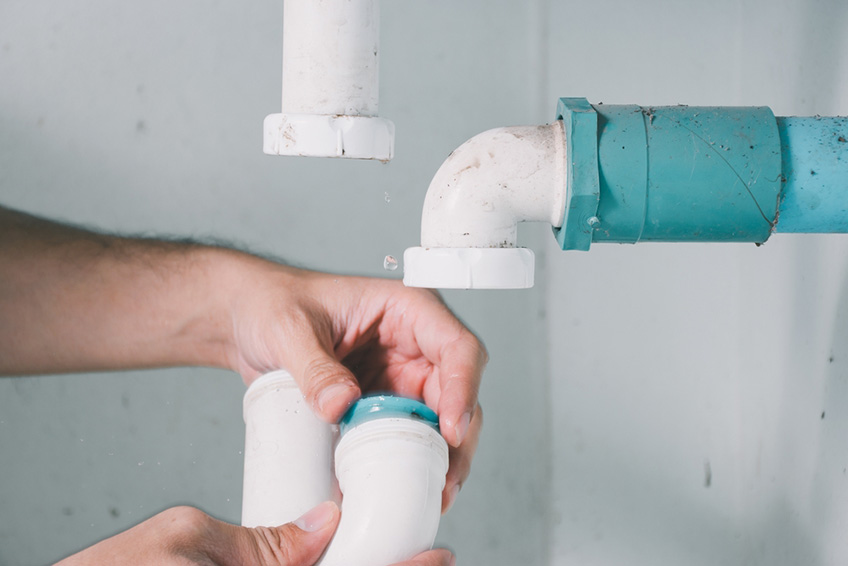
<point x="341" y="335"/>
<point x="184" y="536"/>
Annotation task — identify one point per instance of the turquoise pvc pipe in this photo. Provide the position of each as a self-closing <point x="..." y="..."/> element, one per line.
<point x="815" y="171"/>
<point x="699" y="174"/>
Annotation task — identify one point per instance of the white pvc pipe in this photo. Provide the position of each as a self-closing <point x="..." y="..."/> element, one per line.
<point x="330" y="57"/>
<point x="475" y="201"/>
<point x="331" y="87"/>
<point x="391" y="472"/>
<point x="288" y="453"/>
<point x="491" y="183"/>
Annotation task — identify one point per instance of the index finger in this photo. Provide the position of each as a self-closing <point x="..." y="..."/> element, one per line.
<point x="458" y="359"/>
<point x="461" y="367"/>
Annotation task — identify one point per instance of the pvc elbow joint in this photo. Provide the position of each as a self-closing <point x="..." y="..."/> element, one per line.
<point x="474" y="204"/>
<point x="390" y="463"/>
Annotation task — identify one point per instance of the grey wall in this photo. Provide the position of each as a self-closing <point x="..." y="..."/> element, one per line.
<point x="701" y="413"/>
<point x="618" y="386"/>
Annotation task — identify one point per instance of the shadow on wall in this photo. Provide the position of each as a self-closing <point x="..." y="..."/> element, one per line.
<point x="829" y="478"/>
<point x="824" y="41"/>
<point x="667" y="522"/>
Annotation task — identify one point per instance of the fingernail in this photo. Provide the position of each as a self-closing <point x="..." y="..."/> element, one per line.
<point x="453" y="560"/>
<point x="327" y="395"/>
<point x="316" y="518"/>
<point x="461" y="427"/>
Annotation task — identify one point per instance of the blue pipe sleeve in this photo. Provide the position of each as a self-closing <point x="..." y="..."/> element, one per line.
<point x="699" y="174"/>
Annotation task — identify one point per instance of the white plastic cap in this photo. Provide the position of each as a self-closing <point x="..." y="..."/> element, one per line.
<point x="317" y="135"/>
<point x="468" y="268"/>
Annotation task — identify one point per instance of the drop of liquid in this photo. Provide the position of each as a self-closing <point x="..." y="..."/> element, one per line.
<point x="390" y="263"/>
<point x="387" y="197"/>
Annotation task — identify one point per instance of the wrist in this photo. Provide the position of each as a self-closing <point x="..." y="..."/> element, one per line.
<point x="221" y="272"/>
<point x="251" y="296"/>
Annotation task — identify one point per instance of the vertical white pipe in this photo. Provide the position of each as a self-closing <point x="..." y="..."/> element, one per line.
<point x="331" y="53"/>
<point x="330" y="57"/>
<point x="288" y="453"/>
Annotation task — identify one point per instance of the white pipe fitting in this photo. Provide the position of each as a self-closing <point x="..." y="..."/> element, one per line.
<point x="288" y="453"/>
<point x="391" y="471"/>
<point x="476" y="200"/>
<point x="330" y="83"/>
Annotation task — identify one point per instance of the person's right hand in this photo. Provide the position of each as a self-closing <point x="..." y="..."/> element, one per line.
<point x="341" y="336"/>
<point x="183" y="536"/>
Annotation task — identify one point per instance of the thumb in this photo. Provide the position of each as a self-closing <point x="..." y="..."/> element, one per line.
<point x="301" y="542"/>
<point x="325" y="382"/>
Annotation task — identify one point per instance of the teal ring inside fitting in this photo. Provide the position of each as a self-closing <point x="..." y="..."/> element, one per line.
<point x="380" y="406"/>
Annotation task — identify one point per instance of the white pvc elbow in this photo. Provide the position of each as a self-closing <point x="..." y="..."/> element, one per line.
<point x="391" y="473"/>
<point x="476" y="200"/>
<point x="330" y="83"/>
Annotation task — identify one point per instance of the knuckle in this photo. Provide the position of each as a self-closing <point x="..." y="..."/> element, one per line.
<point x="276" y="545"/>
<point x="471" y="343"/>
<point x="320" y="374"/>
<point x="185" y="517"/>
<point x="484" y="353"/>
<point x="477" y="344"/>
<point x="186" y="526"/>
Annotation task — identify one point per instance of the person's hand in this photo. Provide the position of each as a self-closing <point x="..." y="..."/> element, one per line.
<point x="339" y="336"/>
<point x="148" y="303"/>
<point x="183" y="536"/>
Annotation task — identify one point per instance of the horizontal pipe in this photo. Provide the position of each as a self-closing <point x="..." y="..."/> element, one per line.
<point x="672" y="174"/>
<point x="628" y="174"/>
<point x="815" y="175"/>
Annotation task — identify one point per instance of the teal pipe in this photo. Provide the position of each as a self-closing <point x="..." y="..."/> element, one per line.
<point x="815" y="173"/>
<point x="699" y="174"/>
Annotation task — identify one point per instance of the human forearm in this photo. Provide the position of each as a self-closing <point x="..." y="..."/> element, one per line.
<point x="72" y="300"/>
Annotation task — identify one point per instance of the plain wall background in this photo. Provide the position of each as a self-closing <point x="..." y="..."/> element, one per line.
<point x="618" y="386"/>
<point x="700" y="390"/>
